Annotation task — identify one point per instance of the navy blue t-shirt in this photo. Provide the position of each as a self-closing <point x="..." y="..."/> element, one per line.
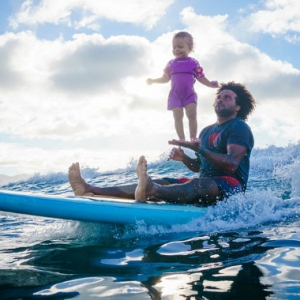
<point x="216" y="137"/>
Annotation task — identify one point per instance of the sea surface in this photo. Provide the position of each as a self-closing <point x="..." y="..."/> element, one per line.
<point x="243" y="248"/>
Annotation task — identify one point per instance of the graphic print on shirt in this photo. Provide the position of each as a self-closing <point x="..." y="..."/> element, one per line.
<point x="212" y="140"/>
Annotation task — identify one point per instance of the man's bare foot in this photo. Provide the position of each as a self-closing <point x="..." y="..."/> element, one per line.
<point x="145" y="184"/>
<point x="79" y="186"/>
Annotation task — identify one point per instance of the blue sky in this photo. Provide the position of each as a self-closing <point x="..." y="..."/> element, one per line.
<point x="73" y="75"/>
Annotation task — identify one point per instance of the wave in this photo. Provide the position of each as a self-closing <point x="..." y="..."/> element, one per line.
<point x="274" y="177"/>
<point x="272" y="163"/>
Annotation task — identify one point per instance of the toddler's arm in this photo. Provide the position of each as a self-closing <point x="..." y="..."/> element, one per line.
<point x="205" y="81"/>
<point x="162" y="79"/>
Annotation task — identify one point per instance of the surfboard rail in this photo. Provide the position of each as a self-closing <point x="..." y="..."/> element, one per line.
<point x="97" y="209"/>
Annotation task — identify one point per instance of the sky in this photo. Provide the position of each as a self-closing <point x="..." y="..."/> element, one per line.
<point x="73" y="76"/>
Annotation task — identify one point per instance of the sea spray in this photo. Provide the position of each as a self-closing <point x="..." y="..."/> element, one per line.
<point x="291" y="172"/>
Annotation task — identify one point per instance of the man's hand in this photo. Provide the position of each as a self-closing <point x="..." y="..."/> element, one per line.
<point x="176" y="154"/>
<point x="195" y="146"/>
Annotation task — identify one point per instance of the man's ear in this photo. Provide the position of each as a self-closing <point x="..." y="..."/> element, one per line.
<point x="238" y="107"/>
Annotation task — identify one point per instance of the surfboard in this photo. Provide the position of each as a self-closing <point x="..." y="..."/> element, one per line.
<point x="104" y="210"/>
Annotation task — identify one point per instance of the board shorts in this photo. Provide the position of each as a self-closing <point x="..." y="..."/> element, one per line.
<point x="227" y="185"/>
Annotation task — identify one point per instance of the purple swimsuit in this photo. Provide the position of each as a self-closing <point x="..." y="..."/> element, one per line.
<point x="183" y="73"/>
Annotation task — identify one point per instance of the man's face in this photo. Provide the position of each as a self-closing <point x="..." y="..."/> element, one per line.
<point x="225" y="104"/>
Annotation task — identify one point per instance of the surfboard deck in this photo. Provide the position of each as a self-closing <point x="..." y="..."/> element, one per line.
<point x="98" y="209"/>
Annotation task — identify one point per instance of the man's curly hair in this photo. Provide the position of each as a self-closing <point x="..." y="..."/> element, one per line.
<point x="244" y="98"/>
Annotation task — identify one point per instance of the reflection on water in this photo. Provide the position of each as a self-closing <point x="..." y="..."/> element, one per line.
<point x="55" y="259"/>
<point x="282" y="268"/>
<point x="244" y="248"/>
<point x="236" y="282"/>
<point x="245" y="265"/>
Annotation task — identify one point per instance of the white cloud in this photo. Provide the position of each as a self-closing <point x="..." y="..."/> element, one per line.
<point x="293" y="39"/>
<point x="278" y="18"/>
<point x="80" y="13"/>
<point x="91" y="91"/>
<point x="273" y="83"/>
<point x="91" y="63"/>
<point x="92" y="87"/>
<point x="70" y="89"/>
<point x="9" y="73"/>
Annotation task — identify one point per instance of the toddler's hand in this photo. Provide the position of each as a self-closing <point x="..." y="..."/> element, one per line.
<point x="149" y="81"/>
<point x="214" y="84"/>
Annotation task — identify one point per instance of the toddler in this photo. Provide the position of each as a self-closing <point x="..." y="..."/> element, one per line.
<point x="183" y="72"/>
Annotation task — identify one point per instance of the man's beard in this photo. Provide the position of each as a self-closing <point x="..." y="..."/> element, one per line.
<point x="225" y="112"/>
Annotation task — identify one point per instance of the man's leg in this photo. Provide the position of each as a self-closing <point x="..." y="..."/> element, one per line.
<point x="145" y="185"/>
<point x="81" y="188"/>
<point x="198" y="188"/>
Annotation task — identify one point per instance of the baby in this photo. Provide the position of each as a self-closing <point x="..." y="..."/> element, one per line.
<point x="183" y="72"/>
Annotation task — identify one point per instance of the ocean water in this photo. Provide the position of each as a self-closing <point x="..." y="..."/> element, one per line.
<point x="243" y="248"/>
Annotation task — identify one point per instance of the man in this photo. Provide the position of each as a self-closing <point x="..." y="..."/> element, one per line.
<point x="222" y="159"/>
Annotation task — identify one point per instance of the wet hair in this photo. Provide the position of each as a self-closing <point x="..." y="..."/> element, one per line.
<point x="184" y="34"/>
<point x="244" y="98"/>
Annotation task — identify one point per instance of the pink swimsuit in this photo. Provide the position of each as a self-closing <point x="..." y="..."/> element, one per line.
<point x="183" y="73"/>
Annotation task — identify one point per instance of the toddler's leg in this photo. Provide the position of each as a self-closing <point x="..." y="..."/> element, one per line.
<point x="178" y="120"/>
<point x="191" y="113"/>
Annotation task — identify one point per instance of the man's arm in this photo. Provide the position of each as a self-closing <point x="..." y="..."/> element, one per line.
<point x="192" y="164"/>
<point x="227" y="162"/>
<point x="178" y="155"/>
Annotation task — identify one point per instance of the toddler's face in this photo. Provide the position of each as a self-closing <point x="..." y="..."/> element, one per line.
<point x="181" y="47"/>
